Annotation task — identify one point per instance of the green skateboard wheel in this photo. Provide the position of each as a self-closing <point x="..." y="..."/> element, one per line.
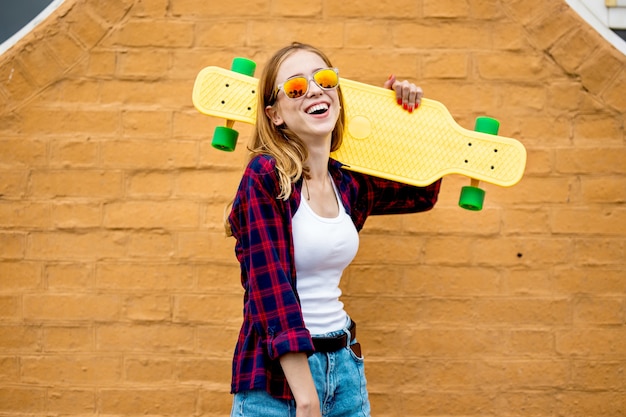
<point x="225" y="138"/>
<point x="487" y="125"/>
<point x="472" y="198"/>
<point x="243" y="66"/>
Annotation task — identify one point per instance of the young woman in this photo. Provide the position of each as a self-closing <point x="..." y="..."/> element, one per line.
<point x="296" y="218"/>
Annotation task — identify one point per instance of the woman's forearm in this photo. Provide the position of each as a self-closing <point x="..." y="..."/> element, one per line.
<point x="298" y="373"/>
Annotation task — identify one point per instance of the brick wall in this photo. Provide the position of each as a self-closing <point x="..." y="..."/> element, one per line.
<point x="119" y="294"/>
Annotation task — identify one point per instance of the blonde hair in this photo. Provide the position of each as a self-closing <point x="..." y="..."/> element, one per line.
<point x="280" y="142"/>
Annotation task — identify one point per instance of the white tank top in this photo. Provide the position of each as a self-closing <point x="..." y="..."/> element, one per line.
<point x="323" y="248"/>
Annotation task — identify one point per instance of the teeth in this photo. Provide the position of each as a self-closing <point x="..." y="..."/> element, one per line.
<point x="318" y="108"/>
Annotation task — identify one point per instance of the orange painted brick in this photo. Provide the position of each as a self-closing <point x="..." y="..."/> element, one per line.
<point x="600" y="128"/>
<point x="531" y="342"/>
<point x="573" y="49"/>
<point x="68" y="339"/>
<point x="150" y="370"/>
<point x="421" y="36"/>
<point x="85" y="26"/>
<point x="9" y="369"/>
<point x="58" y="122"/>
<point x="200" y="308"/>
<point x="72" y="401"/>
<point x="20" y="276"/>
<point x="525" y="221"/>
<point x="65" y="48"/>
<point x="91" y="370"/>
<point x="205" y="370"/>
<point x="442" y="342"/>
<point x="76" y="183"/>
<point x="450" y="281"/>
<point x="181" y="401"/>
<point x="224" y="34"/>
<point x="597" y="375"/>
<point x="20" y="338"/>
<point x="145" y="153"/>
<point x="155" y="338"/>
<point x="599" y="311"/>
<point x="40" y="56"/>
<point x="208" y="246"/>
<point x="218" y="339"/>
<point x="600" y="251"/>
<point x="599" y="70"/>
<point x="590" y="280"/>
<point x="15" y="82"/>
<point x="64" y="246"/>
<point x="22" y="400"/>
<point x="376" y="249"/>
<point x="146" y="64"/>
<point x="24" y="214"/>
<point x="514" y="67"/>
<point x="151" y="244"/>
<point x="76" y="215"/>
<point x="154" y="33"/>
<point x="146" y="123"/>
<point x="536" y="281"/>
<point x="596" y="160"/>
<point x="10" y="308"/>
<point x="451" y="65"/>
<point x="609" y="221"/>
<point x="155" y="8"/>
<point x="111" y="11"/>
<point x="151" y="214"/>
<point x="72" y="307"/>
<point x="101" y="63"/>
<point x="20" y="153"/>
<point x="217" y="402"/>
<point x="265" y="34"/>
<point x="69" y="276"/>
<point x="612" y="95"/>
<point x="213" y="277"/>
<point x="238" y="8"/>
<point x="404" y="9"/>
<point x="597" y="342"/>
<point x="290" y="9"/>
<point x="145" y="276"/>
<point x="368" y="34"/>
<point x="523" y="373"/>
<point x="83" y="154"/>
<point x="151" y="184"/>
<point x="511" y="311"/>
<point x="445" y="9"/>
<point x="12" y="245"/>
<point x="585" y="403"/>
<point x="218" y="185"/>
<point x="148" y="307"/>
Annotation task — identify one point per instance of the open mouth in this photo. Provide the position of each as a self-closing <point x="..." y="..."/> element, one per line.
<point x="317" y="109"/>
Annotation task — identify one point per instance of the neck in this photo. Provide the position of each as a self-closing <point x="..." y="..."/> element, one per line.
<point x="317" y="162"/>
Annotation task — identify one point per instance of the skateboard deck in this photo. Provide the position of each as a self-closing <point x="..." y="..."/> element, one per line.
<point x="381" y="138"/>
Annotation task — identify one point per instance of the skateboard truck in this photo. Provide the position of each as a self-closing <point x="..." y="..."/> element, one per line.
<point x="472" y="197"/>
<point x="225" y="137"/>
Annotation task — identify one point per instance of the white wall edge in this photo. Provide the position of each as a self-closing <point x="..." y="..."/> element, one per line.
<point x="580" y="8"/>
<point x="6" y="45"/>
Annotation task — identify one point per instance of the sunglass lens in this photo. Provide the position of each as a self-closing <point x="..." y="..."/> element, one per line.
<point x="326" y="78"/>
<point x="295" y="87"/>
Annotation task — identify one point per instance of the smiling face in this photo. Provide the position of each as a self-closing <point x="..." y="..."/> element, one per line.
<point x="313" y="116"/>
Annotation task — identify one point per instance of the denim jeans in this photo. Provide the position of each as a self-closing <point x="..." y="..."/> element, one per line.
<point x="340" y="381"/>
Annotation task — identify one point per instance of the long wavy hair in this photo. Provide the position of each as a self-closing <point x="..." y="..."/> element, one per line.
<point x="280" y="142"/>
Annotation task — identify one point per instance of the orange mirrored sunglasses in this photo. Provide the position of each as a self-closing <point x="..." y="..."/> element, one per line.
<point x="297" y="86"/>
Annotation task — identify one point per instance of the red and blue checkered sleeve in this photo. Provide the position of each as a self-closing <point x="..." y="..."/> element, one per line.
<point x="261" y="224"/>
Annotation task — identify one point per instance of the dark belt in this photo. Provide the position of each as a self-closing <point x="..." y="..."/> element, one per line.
<point x="333" y="344"/>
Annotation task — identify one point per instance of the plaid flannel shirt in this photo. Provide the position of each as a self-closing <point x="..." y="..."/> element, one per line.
<point x="261" y="224"/>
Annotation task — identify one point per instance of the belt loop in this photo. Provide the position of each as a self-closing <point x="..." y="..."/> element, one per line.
<point x="347" y="330"/>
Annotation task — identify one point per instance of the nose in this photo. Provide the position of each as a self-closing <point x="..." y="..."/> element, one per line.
<point x="313" y="89"/>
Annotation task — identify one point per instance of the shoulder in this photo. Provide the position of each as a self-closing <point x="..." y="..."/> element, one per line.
<point x="261" y="165"/>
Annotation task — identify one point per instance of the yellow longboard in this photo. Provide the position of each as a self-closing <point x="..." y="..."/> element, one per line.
<point x="381" y="138"/>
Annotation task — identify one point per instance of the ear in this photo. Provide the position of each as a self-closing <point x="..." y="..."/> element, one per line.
<point x="273" y="115"/>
